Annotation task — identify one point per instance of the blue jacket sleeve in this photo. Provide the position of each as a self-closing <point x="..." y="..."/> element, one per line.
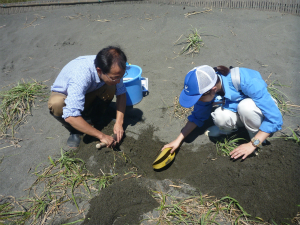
<point x="256" y="88"/>
<point x="200" y="113"/>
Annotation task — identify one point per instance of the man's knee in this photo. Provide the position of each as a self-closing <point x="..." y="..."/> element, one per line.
<point x="56" y="103"/>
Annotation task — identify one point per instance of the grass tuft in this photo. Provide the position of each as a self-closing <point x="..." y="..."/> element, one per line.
<point x="284" y="104"/>
<point x="194" y="43"/>
<point x="227" y="145"/>
<point x="11" y="211"/>
<point x="293" y="137"/>
<point x="16" y="104"/>
<point x="65" y="180"/>
<point x="200" y="209"/>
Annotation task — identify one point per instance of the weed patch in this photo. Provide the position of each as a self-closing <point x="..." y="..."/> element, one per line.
<point x="200" y="209"/>
<point x="65" y="180"/>
<point x="193" y="43"/>
<point x="284" y="104"/>
<point x="11" y="211"/>
<point x="293" y="137"/>
<point x="17" y="103"/>
<point x="226" y="145"/>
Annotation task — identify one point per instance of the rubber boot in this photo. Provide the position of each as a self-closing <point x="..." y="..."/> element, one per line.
<point x="73" y="140"/>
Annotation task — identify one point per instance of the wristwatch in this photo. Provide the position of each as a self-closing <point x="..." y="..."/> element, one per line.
<point x="255" y="142"/>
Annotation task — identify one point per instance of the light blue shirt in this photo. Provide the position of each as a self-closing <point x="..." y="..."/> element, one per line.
<point x="252" y="86"/>
<point x="75" y="80"/>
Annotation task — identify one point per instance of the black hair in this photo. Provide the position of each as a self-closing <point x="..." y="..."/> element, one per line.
<point x="109" y="56"/>
<point x="222" y="70"/>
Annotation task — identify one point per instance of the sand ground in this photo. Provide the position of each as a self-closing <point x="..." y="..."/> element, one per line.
<point x="36" y="45"/>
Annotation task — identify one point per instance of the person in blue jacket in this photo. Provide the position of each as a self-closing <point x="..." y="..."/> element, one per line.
<point x="244" y="101"/>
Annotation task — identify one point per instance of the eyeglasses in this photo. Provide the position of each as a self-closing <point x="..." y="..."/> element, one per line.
<point x="112" y="79"/>
<point x="117" y="79"/>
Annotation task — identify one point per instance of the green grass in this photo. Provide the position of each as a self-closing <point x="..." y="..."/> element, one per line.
<point x="16" y="103"/>
<point x="226" y="145"/>
<point x="65" y="180"/>
<point x="203" y="209"/>
<point x="12" y="212"/>
<point x="284" y="104"/>
<point x="232" y="202"/>
<point x="193" y="42"/>
<point x="293" y="137"/>
<point x="12" y="1"/>
<point x="199" y="209"/>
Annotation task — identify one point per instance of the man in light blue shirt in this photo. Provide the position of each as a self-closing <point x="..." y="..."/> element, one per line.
<point x="87" y="85"/>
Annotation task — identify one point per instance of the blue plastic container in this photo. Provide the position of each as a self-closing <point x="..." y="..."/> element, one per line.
<point x="132" y="82"/>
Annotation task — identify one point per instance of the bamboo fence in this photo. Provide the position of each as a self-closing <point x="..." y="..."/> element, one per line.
<point x="283" y="6"/>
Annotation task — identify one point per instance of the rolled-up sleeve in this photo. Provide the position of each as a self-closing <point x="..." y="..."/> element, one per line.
<point x="120" y="88"/>
<point x="200" y="113"/>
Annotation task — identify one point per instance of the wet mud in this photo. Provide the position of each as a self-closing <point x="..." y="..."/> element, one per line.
<point x="266" y="185"/>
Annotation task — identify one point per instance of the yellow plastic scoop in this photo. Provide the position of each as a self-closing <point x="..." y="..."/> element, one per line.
<point x="163" y="159"/>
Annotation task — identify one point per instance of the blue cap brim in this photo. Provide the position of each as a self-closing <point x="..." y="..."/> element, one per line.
<point x="187" y="101"/>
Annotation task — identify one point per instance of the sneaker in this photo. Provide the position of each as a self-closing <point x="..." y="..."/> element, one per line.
<point x="215" y="131"/>
<point x="74" y="140"/>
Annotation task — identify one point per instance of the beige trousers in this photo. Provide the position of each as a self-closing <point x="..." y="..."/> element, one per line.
<point x="56" y="101"/>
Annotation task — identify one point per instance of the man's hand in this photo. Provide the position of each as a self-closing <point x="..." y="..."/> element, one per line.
<point x="119" y="131"/>
<point x="121" y="106"/>
<point x="108" y="140"/>
<point x="80" y="124"/>
<point x="243" y="150"/>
